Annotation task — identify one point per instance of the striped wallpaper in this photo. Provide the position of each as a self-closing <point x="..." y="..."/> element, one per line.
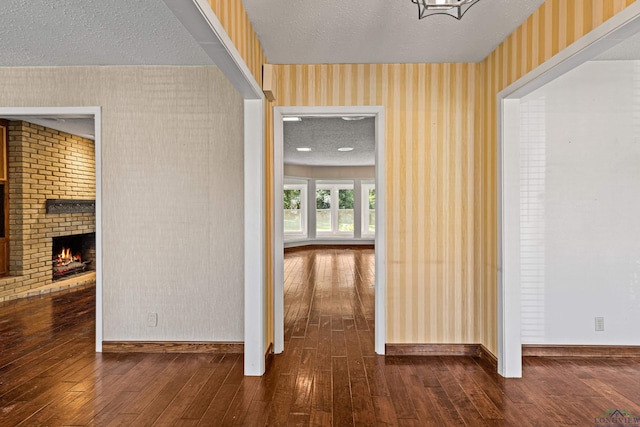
<point x="441" y="170"/>
<point x="235" y="21"/>
<point x="554" y="26"/>
<point x="431" y="174"/>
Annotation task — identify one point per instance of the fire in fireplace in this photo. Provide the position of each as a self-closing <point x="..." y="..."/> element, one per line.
<point x="73" y="254"/>
<point x="67" y="263"/>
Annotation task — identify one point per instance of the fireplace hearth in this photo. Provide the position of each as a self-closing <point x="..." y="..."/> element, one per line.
<point x="73" y="254"/>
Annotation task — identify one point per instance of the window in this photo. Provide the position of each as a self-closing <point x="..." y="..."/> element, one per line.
<point x="323" y="211"/>
<point x="345" y="210"/>
<point x="368" y="209"/>
<point x="295" y="210"/>
<point x="334" y="209"/>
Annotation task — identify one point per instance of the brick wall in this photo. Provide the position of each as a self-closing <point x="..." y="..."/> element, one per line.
<point x="43" y="164"/>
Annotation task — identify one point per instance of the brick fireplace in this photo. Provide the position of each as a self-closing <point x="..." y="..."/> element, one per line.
<point x="44" y="164"/>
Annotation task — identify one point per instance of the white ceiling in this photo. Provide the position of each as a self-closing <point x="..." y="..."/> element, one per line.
<point x="94" y="32"/>
<point x="146" y="32"/>
<point x="380" y="31"/>
<point x="324" y="136"/>
<point x="627" y="50"/>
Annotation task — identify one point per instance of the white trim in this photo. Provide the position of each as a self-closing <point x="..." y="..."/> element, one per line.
<point x="380" y="239"/>
<point x="365" y="187"/>
<point x="96" y="113"/>
<point x="618" y="28"/>
<point x="278" y="231"/>
<point x="205" y="27"/>
<point x="304" y="209"/>
<point x="203" y="24"/>
<point x="381" y="236"/>
<point x="510" y="352"/>
<point x="254" y="239"/>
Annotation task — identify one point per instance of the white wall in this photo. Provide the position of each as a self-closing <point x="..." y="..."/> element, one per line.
<point x="580" y="207"/>
<point x="172" y="193"/>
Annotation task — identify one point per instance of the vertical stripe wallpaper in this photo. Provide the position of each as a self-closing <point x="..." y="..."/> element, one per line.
<point x="441" y="171"/>
<point x="430" y="173"/>
<point x="553" y="27"/>
<point x="234" y="19"/>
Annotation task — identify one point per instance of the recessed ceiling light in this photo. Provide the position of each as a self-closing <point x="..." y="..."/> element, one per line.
<point x="291" y="119"/>
<point x="352" y="118"/>
<point x="345" y="149"/>
<point x="303" y="149"/>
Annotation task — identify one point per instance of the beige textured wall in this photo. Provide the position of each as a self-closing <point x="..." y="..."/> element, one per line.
<point x="172" y="168"/>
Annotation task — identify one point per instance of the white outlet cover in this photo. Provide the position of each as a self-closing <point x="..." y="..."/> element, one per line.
<point x="152" y="319"/>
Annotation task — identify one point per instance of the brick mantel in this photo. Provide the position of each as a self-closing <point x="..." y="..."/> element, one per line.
<point x="43" y="164"/>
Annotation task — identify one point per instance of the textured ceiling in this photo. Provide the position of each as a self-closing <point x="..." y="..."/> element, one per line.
<point x="94" y="32"/>
<point x="324" y="136"/>
<point x="380" y="31"/>
<point x="627" y="50"/>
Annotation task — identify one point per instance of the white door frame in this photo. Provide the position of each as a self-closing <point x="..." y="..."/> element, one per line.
<point x="380" y="239"/>
<point x="612" y="32"/>
<point x="96" y="114"/>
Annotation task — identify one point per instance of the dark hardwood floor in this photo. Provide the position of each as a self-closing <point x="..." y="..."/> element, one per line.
<point x="328" y="374"/>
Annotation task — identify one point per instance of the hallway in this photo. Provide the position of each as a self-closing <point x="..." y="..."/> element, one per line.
<point x="328" y="374"/>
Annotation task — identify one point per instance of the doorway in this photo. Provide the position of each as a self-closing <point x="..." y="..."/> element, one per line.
<point x="85" y="113"/>
<point x="380" y="234"/>
<point x="618" y="29"/>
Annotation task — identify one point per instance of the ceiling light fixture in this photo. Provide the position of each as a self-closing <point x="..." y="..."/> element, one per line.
<point x="352" y="118"/>
<point x="304" y="149"/>
<point x="345" y="149"/>
<point x="455" y="8"/>
<point x="291" y="119"/>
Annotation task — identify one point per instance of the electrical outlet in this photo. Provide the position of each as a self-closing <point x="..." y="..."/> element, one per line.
<point x="599" y="324"/>
<point x="152" y="320"/>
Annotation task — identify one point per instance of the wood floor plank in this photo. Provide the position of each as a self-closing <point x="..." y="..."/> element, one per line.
<point x="163" y="391"/>
<point x="185" y="397"/>
<point x="385" y="412"/>
<point x="342" y="404"/>
<point x="363" y="411"/>
<point x="208" y="392"/>
<point x="327" y="375"/>
<point x="238" y="410"/>
<point x="304" y="383"/>
<point x="280" y="406"/>
<point x="322" y="397"/>
<point x="219" y="407"/>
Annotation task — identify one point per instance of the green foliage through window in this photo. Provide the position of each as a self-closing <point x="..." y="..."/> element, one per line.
<point x="323" y="199"/>
<point x="292" y="199"/>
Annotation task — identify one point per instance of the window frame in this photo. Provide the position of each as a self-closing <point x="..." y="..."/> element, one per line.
<point x="334" y="187"/>
<point x="303" y="233"/>
<point x="364" y="210"/>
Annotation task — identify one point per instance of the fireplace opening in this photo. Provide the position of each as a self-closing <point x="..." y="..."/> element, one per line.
<point x="73" y="254"/>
